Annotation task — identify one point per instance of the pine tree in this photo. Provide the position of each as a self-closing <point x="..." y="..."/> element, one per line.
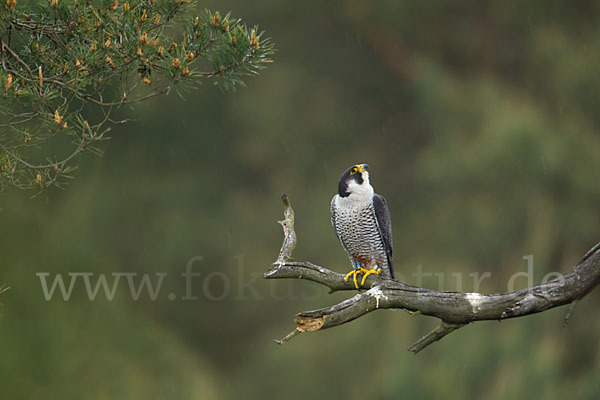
<point x="60" y="59"/>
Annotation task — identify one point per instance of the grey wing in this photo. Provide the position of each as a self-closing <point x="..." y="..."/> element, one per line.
<point x="384" y="223"/>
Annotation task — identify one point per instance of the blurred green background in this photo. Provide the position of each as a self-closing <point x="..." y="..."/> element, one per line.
<point x="480" y="123"/>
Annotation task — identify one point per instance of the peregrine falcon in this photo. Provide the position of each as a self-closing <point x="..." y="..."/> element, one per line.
<point x="361" y="220"/>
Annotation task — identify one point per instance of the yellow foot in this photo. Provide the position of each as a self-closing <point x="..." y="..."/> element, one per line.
<point x="367" y="273"/>
<point x="353" y="274"/>
<point x="361" y="270"/>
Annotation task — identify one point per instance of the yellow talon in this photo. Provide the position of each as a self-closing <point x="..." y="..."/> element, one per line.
<point x="353" y="274"/>
<point x="355" y="283"/>
<point x="360" y="270"/>
<point x="369" y="272"/>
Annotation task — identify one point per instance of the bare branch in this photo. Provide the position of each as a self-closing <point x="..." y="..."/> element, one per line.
<point x="454" y="309"/>
<point x="289" y="243"/>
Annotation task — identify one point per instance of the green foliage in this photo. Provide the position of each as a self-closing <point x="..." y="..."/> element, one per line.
<point x="479" y="123"/>
<point x="67" y="65"/>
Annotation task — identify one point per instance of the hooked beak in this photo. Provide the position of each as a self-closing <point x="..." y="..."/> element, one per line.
<point x="363" y="167"/>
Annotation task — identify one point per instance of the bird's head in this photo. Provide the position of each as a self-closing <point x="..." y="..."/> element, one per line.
<point x="354" y="183"/>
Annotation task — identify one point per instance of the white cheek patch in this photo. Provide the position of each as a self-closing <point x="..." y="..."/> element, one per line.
<point x="353" y="187"/>
<point x="365" y="176"/>
<point x="359" y="194"/>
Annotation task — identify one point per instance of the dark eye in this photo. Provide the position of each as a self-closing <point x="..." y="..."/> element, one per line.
<point x="353" y="171"/>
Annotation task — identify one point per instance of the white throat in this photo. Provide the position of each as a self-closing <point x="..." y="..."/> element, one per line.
<point x="359" y="194"/>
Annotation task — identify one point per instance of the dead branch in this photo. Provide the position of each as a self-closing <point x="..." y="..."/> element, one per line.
<point x="454" y="309"/>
